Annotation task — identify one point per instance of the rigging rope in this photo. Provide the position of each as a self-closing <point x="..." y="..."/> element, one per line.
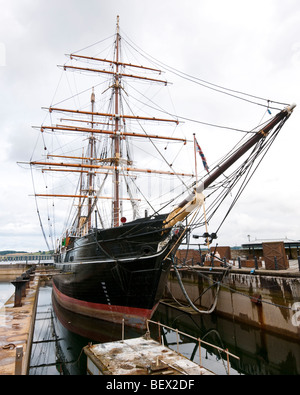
<point x="158" y="151"/>
<point x="262" y="148"/>
<point x="185" y="118"/>
<point x="246" y="170"/>
<point x="206" y="84"/>
<point x="37" y="209"/>
<point x="92" y="45"/>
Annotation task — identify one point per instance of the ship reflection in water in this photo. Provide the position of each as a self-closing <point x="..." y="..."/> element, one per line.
<point x="60" y="336"/>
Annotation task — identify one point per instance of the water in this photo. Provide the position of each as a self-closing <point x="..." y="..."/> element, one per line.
<point x="6" y="290"/>
<point x="60" y="335"/>
<point x="260" y="352"/>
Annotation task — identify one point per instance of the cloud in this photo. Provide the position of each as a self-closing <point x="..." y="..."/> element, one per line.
<point x="250" y="46"/>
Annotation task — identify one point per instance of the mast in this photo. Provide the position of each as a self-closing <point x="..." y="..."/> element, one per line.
<point x="116" y="201"/>
<point x="195" y="156"/>
<point x="90" y="166"/>
<point x="91" y="174"/>
<point x="80" y="202"/>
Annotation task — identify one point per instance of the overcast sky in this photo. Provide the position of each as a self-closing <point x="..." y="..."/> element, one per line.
<point x="252" y="46"/>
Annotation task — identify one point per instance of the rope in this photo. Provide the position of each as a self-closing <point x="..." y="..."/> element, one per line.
<point x="263" y="146"/>
<point x="246" y="171"/>
<point x="206" y="84"/>
<point x="189" y="300"/>
<point x="37" y="210"/>
<point x="238" y="292"/>
<point x="185" y="118"/>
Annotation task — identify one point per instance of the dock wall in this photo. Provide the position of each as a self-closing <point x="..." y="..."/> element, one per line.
<point x="265" y="299"/>
<point x="11" y="271"/>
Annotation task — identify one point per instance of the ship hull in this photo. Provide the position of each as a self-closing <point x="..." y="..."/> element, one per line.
<point x="117" y="274"/>
<point x="134" y="317"/>
<point x="127" y="290"/>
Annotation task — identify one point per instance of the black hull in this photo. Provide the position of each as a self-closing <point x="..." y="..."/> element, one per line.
<point x="118" y="284"/>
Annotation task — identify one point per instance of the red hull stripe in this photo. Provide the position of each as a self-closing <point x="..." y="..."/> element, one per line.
<point x="125" y="310"/>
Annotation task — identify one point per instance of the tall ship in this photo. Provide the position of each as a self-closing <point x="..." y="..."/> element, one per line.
<point x="125" y="221"/>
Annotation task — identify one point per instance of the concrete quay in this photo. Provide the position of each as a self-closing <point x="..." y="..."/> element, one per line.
<point x="16" y="329"/>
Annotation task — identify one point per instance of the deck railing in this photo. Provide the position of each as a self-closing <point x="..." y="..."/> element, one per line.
<point x="200" y="342"/>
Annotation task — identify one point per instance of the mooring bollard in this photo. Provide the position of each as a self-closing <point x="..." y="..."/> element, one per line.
<point x="19" y="360"/>
<point x="25" y="284"/>
<point x="26" y="277"/>
<point x="20" y="290"/>
<point x="31" y="272"/>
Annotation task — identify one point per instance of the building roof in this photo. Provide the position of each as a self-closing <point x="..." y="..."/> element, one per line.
<point x="258" y="242"/>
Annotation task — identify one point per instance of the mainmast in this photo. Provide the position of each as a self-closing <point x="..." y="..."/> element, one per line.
<point x="116" y="201"/>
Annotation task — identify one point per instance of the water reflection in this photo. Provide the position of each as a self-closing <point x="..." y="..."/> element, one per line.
<point x="60" y="336"/>
<point x="260" y="352"/>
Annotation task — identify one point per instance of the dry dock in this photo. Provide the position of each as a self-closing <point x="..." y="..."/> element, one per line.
<point x="17" y="317"/>
<point x="267" y="299"/>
